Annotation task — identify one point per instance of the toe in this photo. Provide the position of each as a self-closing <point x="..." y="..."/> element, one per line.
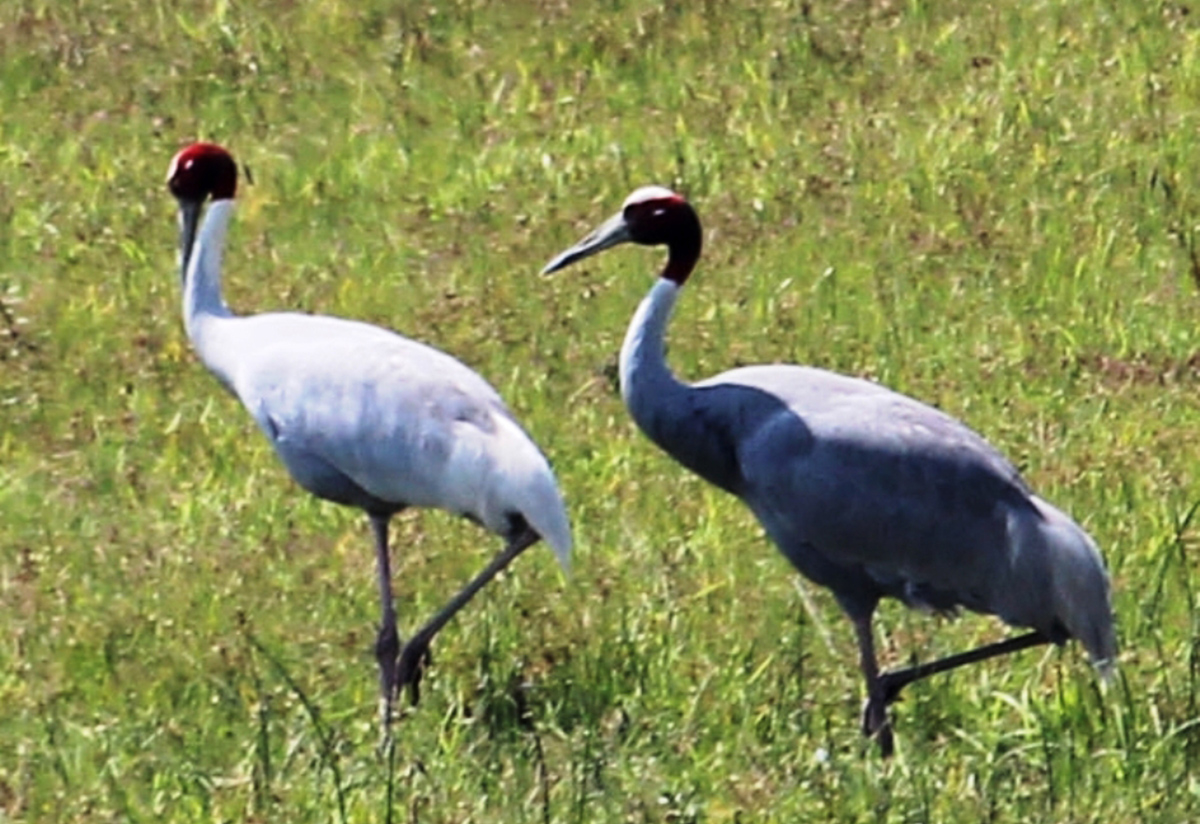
<point x="413" y="660"/>
<point x="887" y="743"/>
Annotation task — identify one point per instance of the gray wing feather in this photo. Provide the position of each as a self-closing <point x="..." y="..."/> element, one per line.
<point x="868" y="491"/>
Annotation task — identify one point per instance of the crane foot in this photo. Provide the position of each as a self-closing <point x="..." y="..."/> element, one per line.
<point x="877" y="725"/>
<point x="414" y="658"/>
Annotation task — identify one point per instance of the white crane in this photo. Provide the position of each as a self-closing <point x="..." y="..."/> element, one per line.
<point x="867" y="492"/>
<point x="364" y="417"/>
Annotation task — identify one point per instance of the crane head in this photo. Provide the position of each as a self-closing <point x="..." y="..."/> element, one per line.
<point x="196" y="173"/>
<point x="201" y="170"/>
<point x="651" y="216"/>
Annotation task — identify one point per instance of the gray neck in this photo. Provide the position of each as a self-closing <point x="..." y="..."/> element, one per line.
<point x="686" y="422"/>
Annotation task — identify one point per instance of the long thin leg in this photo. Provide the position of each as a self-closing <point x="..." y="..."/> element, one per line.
<point x="408" y="672"/>
<point x="883" y="689"/>
<point x="875" y="721"/>
<point x="387" y="642"/>
<point x="892" y="682"/>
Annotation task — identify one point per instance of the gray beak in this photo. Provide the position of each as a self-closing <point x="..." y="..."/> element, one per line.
<point x="611" y="233"/>
<point x="189" y="219"/>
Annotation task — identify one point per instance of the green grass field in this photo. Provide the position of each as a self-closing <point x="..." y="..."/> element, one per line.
<point x="990" y="206"/>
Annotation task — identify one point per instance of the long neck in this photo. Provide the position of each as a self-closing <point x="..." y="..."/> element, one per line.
<point x="673" y="414"/>
<point x="203" y="305"/>
<point x="202" y="271"/>
<point x="646" y="380"/>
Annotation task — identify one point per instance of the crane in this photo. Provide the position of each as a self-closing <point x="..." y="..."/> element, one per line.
<point x="363" y="417"/>
<point x="867" y="492"/>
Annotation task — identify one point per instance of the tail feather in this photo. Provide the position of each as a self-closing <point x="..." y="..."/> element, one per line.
<point x="524" y="482"/>
<point x="1079" y="586"/>
<point x="547" y="514"/>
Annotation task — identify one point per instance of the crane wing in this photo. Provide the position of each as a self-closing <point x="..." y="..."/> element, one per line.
<point x="867" y="480"/>
<point x="344" y="402"/>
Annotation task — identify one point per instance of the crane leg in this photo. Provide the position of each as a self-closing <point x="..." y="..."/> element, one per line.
<point x="387" y="641"/>
<point x="883" y="689"/>
<point x="875" y="722"/>
<point x="892" y="682"/>
<point x="416" y="651"/>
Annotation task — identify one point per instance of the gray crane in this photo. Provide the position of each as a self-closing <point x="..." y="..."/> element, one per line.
<point x="866" y="491"/>
<point x="364" y="417"/>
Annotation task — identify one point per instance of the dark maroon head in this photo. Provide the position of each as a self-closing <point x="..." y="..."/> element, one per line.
<point x="651" y="216"/>
<point x="200" y="171"/>
<point x="660" y="217"/>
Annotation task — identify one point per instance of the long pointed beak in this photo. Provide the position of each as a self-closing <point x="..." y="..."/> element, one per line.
<point x="611" y="233"/>
<point x="189" y="219"/>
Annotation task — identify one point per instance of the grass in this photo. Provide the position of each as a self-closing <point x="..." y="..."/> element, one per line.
<point x="989" y="207"/>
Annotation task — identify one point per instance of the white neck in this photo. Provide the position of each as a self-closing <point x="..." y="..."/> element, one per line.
<point x="203" y="306"/>
<point x="645" y="377"/>
<point x="202" y="280"/>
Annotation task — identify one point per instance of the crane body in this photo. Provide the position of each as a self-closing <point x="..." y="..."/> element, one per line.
<point x="362" y="416"/>
<point x="867" y="492"/>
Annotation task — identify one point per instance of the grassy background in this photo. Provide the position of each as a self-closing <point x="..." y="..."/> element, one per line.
<point x="988" y="206"/>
